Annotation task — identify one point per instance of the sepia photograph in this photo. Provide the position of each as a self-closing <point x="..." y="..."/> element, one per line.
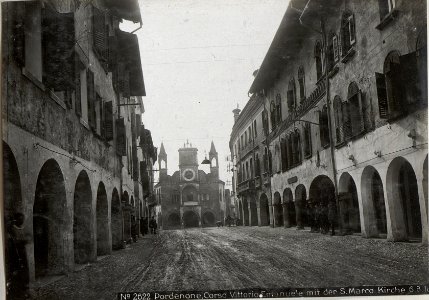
<point x="213" y="149"/>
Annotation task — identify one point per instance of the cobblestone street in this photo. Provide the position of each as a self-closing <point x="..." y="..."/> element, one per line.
<point x="244" y="257"/>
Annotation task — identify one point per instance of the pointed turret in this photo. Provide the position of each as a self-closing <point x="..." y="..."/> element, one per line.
<point x="212" y="148"/>
<point x="162" y="161"/>
<point x="213" y="157"/>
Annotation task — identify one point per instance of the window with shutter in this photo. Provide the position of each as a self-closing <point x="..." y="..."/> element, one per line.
<point x="100" y="35"/>
<point x="121" y="147"/>
<point x="347" y="128"/>
<point x="301" y="82"/>
<point x="289" y="152"/>
<point x="91" y="99"/>
<point x="291" y="101"/>
<point x="123" y="80"/>
<point x="338" y="120"/>
<point x="108" y="120"/>
<point x="318" y="58"/>
<point x="298" y="146"/>
<point x="409" y="75"/>
<point x="307" y="141"/>
<point x="273" y="115"/>
<point x="383" y="107"/>
<point x="278" y="109"/>
<point x="352" y="30"/>
<point x="348" y="32"/>
<point x="58" y="42"/>
<point x="283" y="155"/>
<point x="356" y="111"/>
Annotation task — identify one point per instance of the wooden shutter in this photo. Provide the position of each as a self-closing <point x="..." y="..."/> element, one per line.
<point x="100" y="35"/>
<point x="347" y="129"/>
<point x="90" y="88"/>
<point x="283" y="154"/>
<point x="108" y="120"/>
<point x="290" y="100"/>
<point x="18" y="32"/>
<point x="383" y="6"/>
<point x="123" y="80"/>
<point x="383" y="107"/>
<point x="58" y="50"/>
<point x="409" y="74"/>
<point x="113" y="53"/>
<point x="121" y="147"/>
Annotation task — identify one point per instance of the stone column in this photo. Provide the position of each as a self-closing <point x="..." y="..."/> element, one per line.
<point x="286" y="221"/>
<point x="249" y="212"/>
<point x="299" y="211"/>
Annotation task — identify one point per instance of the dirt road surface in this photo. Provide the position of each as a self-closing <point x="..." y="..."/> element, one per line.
<point x="246" y="257"/>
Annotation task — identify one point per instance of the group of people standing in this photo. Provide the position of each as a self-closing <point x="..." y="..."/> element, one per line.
<point x="322" y="215"/>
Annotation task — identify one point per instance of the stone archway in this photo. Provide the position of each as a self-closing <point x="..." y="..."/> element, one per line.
<point x="49" y="221"/>
<point x="300" y="206"/>
<point x="208" y="219"/>
<point x="289" y="213"/>
<point x="173" y="220"/>
<point x="253" y="220"/>
<point x="403" y="197"/>
<point x="373" y="197"/>
<point x="240" y="211"/>
<point x="245" y="212"/>
<point x="83" y="233"/>
<point x="322" y="192"/>
<point x="17" y="271"/>
<point x="190" y="219"/>
<point x="264" y="213"/>
<point x="278" y="210"/>
<point x="116" y="221"/>
<point x="102" y="220"/>
<point x="349" y="203"/>
<point x="126" y="216"/>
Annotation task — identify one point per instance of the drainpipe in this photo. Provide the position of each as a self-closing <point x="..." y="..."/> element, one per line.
<point x="328" y="104"/>
<point x="331" y="136"/>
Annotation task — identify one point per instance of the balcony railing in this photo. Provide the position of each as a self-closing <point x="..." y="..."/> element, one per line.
<point x="246" y="186"/>
<point x="257" y="182"/>
<point x="266" y="179"/>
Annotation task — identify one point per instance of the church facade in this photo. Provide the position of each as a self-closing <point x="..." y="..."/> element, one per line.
<point x="190" y="197"/>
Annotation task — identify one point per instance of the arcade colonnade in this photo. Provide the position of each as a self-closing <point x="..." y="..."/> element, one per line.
<point x="387" y="200"/>
<point x="64" y="212"/>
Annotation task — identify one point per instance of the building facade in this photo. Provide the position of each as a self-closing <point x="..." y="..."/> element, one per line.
<point x="344" y="88"/>
<point x="251" y="161"/>
<point x="72" y="84"/>
<point x="189" y="197"/>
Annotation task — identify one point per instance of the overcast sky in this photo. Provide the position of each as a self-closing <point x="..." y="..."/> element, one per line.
<point x="198" y="57"/>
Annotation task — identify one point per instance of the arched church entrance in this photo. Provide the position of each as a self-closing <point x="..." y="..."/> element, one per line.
<point x="173" y="220"/>
<point x="190" y="219"/>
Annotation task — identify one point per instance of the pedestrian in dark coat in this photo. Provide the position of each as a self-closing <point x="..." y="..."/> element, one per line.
<point x="153" y="225"/>
<point x="332" y="215"/>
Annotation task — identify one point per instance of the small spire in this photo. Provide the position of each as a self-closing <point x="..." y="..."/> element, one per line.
<point x="212" y="148"/>
<point x="162" y="150"/>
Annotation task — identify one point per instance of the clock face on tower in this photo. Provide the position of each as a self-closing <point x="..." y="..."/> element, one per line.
<point x="188" y="174"/>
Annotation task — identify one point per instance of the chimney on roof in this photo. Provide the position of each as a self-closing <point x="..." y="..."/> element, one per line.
<point x="255" y="72"/>
<point x="236" y="113"/>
